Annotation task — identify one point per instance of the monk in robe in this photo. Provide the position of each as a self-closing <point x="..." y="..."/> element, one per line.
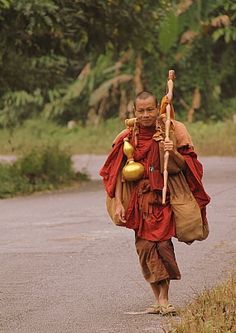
<point x="152" y="221"/>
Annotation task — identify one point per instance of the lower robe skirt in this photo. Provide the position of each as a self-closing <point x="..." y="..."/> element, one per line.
<point x="157" y="260"/>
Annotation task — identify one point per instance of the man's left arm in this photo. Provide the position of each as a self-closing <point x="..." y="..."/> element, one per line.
<point x="176" y="160"/>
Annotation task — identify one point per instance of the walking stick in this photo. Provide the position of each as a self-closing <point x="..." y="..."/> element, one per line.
<point x="170" y="86"/>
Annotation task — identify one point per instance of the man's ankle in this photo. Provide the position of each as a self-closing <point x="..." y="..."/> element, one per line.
<point x="163" y="302"/>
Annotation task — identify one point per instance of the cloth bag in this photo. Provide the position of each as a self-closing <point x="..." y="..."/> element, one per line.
<point x="127" y="188"/>
<point x="187" y="213"/>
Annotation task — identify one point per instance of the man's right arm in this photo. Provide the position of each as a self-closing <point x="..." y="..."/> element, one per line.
<point x="120" y="211"/>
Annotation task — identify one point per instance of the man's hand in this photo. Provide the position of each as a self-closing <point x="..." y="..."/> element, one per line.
<point x="168" y="145"/>
<point x="120" y="212"/>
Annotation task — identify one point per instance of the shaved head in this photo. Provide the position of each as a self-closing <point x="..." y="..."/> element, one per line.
<point x="144" y="95"/>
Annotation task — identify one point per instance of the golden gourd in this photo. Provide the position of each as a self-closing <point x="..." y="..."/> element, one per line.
<point x="132" y="170"/>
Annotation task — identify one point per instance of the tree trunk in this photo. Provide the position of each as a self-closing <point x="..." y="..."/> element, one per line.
<point x="138" y="85"/>
<point x="196" y="102"/>
<point x="123" y="105"/>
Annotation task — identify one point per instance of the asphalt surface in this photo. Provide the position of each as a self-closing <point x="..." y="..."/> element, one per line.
<point x="66" y="268"/>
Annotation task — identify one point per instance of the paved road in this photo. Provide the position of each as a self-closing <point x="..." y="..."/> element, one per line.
<point x="66" y="268"/>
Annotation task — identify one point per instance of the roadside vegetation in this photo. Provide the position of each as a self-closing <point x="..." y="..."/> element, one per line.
<point x="213" y="138"/>
<point x="80" y="64"/>
<point x="86" y="60"/>
<point x="45" y="168"/>
<point x="212" y="312"/>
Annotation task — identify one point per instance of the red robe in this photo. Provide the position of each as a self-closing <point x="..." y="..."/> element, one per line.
<point x="145" y="214"/>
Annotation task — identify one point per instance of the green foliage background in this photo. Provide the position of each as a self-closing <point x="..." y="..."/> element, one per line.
<point x="71" y="59"/>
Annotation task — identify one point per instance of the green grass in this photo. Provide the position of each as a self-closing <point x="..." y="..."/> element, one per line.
<point x="209" y="139"/>
<point x="212" y="312"/>
<point x="80" y="140"/>
<point x="217" y="139"/>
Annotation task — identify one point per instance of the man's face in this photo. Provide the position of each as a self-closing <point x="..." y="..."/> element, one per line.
<point x="146" y="111"/>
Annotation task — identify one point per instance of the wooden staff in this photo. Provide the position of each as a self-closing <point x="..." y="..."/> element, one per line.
<point x="170" y="86"/>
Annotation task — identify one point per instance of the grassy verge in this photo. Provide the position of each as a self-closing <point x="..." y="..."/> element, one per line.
<point x="214" y="139"/>
<point x="209" y="139"/>
<point x="211" y="312"/>
<point x="47" y="168"/>
<point x="79" y="140"/>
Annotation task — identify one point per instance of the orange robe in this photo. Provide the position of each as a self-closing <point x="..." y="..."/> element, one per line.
<point x="145" y="213"/>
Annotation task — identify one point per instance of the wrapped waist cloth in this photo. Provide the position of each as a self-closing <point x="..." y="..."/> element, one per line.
<point x="147" y="216"/>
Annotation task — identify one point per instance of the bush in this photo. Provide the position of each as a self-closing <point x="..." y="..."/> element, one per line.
<point x="48" y="164"/>
<point x="40" y="169"/>
<point x="11" y="181"/>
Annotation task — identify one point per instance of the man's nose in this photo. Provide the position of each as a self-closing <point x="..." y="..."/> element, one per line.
<point x="146" y="114"/>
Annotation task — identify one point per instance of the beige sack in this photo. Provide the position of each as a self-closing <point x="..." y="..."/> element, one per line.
<point x="127" y="188"/>
<point x="189" y="224"/>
